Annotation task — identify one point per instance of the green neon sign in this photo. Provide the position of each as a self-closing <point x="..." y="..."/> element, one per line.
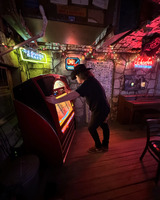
<point x="32" y="56"/>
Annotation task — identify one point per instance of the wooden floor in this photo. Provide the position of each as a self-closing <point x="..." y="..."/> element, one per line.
<point x="114" y="175"/>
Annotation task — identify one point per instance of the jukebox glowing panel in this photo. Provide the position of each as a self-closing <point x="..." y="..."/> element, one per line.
<point x="59" y="117"/>
<point x="63" y="109"/>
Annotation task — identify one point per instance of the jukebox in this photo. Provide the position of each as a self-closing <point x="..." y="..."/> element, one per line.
<point x="47" y="129"/>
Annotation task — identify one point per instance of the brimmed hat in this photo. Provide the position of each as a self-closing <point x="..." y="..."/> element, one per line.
<point x="78" y="69"/>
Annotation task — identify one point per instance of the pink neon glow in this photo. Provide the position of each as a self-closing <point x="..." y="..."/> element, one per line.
<point x="143" y="61"/>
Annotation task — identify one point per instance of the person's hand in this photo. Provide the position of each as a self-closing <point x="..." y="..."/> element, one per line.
<point x="106" y="120"/>
<point x="51" y="99"/>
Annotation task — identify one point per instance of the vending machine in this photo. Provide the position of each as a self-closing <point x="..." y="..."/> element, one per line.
<point x="47" y="129"/>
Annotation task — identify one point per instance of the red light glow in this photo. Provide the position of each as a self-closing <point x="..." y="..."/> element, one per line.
<point x="142" y="62"/>
<point x="71" y="62"/>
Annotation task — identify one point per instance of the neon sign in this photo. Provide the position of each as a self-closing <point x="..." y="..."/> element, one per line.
<point x="71" y="62"/>
<point x="32" y="56"/>
<point x="143" y="63"/>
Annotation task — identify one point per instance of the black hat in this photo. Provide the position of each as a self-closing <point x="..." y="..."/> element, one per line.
<point x="78" y="69"/>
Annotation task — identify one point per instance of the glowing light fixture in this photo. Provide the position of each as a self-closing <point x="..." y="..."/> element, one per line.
<point x="32" y="56"/>
<point x="71" y="62"/>
<point x="143" y="63"/>
<point x="62" y="120"/>
<point x="67" y="124"/>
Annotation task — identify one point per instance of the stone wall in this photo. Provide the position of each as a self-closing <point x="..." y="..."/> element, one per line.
<point x="124" y="66"/>
<point x="103" y="72"/>
<point x="157" y="89"/>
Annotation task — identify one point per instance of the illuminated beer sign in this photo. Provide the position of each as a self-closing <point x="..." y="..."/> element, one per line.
<point x="143" y="63"/>
<point x="71" y="62"/>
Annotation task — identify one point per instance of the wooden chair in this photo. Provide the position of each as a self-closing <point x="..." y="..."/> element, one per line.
<point x="153" y="142"/>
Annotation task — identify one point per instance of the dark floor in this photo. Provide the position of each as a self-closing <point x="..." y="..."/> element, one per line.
<point x="114" y="175"/>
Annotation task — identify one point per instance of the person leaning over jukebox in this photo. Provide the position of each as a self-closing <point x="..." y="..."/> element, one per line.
<point x="92" y="90"/>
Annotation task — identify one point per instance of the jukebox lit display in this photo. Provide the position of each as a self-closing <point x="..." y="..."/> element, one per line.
<point x="47" y="129"/>
<point x="63" y="109"/>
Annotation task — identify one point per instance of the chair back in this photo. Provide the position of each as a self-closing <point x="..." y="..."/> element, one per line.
<point x="153" y="137"/>
<point x="153" y="128"/>
<point x="153" y="143"/>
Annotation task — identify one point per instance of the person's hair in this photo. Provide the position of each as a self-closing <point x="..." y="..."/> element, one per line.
<point x="85" y="75"/>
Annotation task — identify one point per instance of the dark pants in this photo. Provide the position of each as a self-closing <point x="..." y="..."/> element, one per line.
<point x="96" y="121"/>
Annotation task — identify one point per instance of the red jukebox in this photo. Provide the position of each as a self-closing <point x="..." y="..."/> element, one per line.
<point x="47" y="129"/>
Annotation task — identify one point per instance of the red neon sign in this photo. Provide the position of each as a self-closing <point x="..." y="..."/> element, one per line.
<point x="143" y="63"/>
<point x="71" y="62"/>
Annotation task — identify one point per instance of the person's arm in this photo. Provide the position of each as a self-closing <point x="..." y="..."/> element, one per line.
<point x="70" y="96"/>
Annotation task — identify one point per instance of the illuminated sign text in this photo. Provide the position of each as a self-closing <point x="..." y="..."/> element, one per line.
<point x="32" y="56"/>
<point x="71" y="62"/>
<point x="143" y="63"/>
